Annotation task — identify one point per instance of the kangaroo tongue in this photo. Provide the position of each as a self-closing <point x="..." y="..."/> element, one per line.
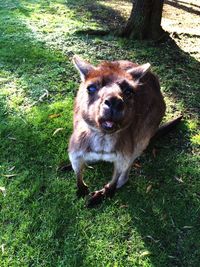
<point x="109" y="124"/>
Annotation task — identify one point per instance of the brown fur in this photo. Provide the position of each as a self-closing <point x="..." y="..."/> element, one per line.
<point x="127" y="133"/>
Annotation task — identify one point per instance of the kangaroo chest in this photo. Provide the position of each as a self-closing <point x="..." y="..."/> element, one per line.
<point x="101" y="147"/>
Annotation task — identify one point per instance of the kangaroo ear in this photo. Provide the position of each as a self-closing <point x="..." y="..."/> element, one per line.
<point x="140" y="71"/>
<point x="82" y="66"/>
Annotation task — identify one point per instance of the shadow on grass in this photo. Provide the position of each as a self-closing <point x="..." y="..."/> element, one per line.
<point x="104" y="16"/>
<point x="35" y="208"/>
<point x="35" y="66"/>
<point x="38" y="210"/>
<point x="162" y="200"/>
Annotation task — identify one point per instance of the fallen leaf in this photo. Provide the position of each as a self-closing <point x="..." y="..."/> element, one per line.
<point x="178" y="179"/>
<point x="53" y="116"/>
<point x="180" y="69"/>
<point x="12" y="138"/>
<point x="137" y="165"/>
<point x="153" y="239"/>
<point x="149" y="187"/>
<point x="90" y="167"/>
<point x="46" y="94"/>
<point x="187" y="227"/>
<point x="143" y="210"/>
<point x="11" y="168"/>
<point x="3" y="190"/>
<point x="3" y="248"/>
<point x="154" y="152"/>
<point x="124" y="206"/>
<point x="9" y="175"/>
<point x="57" y="130"/>
<point x="145" y="253"/>
<point x="171" y="257"/>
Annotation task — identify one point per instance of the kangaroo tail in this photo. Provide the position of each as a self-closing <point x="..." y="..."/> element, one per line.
<point x="166" y="128"/>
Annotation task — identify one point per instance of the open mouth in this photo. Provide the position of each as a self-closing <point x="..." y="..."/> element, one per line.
<point x="108" y="125"/>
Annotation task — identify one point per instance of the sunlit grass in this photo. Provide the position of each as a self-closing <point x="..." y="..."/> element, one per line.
<point x="154" y="219"/>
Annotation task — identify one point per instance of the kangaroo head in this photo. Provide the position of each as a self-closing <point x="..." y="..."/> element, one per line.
<point x="107" y="93"/>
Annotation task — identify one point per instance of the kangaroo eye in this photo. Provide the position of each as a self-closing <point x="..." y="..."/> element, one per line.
<point x="92" y="89"/>
<point x="128" y="91"/>
<point x="126" y="88"/>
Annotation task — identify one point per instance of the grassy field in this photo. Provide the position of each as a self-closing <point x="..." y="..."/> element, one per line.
<point x="154" y="220"/>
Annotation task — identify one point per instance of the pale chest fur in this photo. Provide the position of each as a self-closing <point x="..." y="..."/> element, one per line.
<point x="102" y="143"/>
<point x="101" y="147"/>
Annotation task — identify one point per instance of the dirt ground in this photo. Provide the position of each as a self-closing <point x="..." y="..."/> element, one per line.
<point x="180" y="18"/>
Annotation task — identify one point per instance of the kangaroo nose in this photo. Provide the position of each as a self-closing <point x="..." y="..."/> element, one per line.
<point x="114" y="103"/>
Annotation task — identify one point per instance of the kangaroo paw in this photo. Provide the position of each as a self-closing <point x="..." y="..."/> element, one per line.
<point x="110" y="190"/>
<point x="96" y="198"/>
<point x="82" y="191"/>
<point x="64" y="167"/>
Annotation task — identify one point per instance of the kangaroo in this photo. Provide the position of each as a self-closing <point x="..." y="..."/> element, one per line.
<point x="117" y="111"/>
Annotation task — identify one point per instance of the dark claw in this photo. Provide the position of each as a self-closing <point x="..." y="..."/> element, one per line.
<point x="82" y="191"/>
<point x="110" y="190"/>
<point x="96" y="198"/>
<point x="64" y="167"/>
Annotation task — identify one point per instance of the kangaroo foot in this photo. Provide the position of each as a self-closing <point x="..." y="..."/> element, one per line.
<point x="98" y="196"/>
<point x="82" y="191"/>
<point x="64" y="167"/>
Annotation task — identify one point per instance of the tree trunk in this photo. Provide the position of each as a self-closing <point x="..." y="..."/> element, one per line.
<point x="145" y="20"/>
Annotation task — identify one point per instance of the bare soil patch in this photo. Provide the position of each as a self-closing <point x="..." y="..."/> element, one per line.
<point x="180" y="18"/>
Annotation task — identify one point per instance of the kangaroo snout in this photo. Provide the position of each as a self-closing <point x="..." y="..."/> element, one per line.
<point x="114" y="103"/>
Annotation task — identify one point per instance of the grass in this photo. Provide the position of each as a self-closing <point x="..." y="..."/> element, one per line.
<point x="154" y="219"/>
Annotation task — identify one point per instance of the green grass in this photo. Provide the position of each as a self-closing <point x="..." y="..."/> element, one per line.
<point x="154" y="219"/>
